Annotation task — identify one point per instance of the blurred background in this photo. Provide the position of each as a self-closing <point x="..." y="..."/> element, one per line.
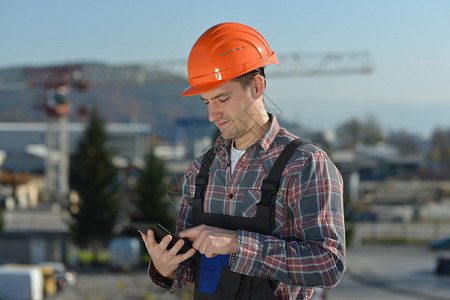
<point x="93" y="133"/>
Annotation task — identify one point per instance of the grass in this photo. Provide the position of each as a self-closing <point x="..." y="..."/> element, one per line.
<point x="89" y="256"/>
<point x="395" y="241"/>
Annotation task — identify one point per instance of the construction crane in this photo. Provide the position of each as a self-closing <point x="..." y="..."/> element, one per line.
<point x="57" y="81"/>
<point x="81" y="76"/>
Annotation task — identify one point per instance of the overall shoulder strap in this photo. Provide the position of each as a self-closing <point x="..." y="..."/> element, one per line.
<point x="270" y="185"/>
<point x="202" y="178"/>
<point x="201" y="182"/>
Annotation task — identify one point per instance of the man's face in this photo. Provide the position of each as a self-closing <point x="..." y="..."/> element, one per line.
<point x="232" y="108"/>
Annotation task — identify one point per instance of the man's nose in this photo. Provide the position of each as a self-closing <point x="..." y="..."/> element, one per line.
<point x="214" y="112"/>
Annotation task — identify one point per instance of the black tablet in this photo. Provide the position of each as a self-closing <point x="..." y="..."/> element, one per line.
<point x="160" y="233"/>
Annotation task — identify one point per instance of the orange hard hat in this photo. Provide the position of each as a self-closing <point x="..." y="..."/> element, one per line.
<point x="225" y="51"/>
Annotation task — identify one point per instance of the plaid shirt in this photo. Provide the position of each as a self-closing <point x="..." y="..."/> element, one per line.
<point x="307" y="246"/>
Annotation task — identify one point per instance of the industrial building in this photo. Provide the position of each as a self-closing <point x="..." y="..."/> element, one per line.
<point x="24" y="144"/>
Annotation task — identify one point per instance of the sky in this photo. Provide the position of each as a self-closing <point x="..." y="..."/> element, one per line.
<point x="408" y="42"/>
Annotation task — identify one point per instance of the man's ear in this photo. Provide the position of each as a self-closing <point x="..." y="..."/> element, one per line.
<point x="258" y="86"/>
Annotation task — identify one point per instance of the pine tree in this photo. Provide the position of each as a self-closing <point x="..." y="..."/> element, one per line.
<point x="1" y="219"/>
<point x="440" y="147"/>
<point x="349" y="213"/>
<point x="92" y="175"/>
<point x="153" y="203"/>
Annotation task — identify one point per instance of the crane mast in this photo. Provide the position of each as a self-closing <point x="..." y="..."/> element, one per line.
<point x="56" y="83"/>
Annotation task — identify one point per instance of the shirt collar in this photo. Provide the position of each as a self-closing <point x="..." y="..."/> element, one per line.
<point x="264" y="142"/>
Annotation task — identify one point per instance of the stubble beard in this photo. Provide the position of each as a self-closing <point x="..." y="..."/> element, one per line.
<point x="232" y="132"/>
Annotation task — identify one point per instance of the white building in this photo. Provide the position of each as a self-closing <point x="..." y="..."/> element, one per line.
<point x="25" y="145"/>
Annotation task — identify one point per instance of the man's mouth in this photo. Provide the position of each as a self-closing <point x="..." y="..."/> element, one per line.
<point x="223" y="123"/>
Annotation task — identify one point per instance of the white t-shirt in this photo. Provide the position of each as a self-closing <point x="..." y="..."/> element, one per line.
<point x="235" y="155"/>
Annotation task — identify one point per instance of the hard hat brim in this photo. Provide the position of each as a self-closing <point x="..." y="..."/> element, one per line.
<point x="199" y="89"/>
<point x="208" y="86"/>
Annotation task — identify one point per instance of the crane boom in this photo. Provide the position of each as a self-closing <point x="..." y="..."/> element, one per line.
<point x="166" y="71"/>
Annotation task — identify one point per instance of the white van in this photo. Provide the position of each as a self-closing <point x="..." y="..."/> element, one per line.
<point x="21" y="283"/>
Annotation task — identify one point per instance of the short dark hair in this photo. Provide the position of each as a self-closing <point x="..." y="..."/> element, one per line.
<point x="246" y="79"/>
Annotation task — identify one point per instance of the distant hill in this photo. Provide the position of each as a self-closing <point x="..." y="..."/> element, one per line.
<point x="157" y="104"/>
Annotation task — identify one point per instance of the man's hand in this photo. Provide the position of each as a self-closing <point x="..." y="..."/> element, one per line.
<point x="165" y="261"/>
<point x="211" y="241"/>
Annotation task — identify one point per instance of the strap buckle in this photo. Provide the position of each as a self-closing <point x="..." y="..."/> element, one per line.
<point x="268" y="189"/>
<point x="200" y="185"/>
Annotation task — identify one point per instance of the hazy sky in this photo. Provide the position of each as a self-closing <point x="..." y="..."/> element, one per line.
<point x="408" y="40"/>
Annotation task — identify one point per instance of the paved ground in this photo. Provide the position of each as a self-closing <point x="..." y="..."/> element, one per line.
<point x="391" y="272"/>
<point x="117" y="286"/>
<point x="374" y="273"/>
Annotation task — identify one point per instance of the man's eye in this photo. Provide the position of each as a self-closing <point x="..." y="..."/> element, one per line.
<point x="223" y="100"/>
<point x="206" y="103"/>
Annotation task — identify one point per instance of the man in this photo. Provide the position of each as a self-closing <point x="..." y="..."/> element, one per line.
<point x="251" y="244"/>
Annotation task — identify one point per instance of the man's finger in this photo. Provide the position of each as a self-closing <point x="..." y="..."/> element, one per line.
<point x="151" y="238"/>
<point x="191" y="233"/>
<point x="165" y="241"/>
<point x="182" y="257"/>
<point x="144" y="239"/>
<point x="178" y="245"/>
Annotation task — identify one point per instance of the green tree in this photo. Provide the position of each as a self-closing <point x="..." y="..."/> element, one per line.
<point x="371" y="132"/>
<point x="440" y="147"/>
<point x="350" y="132"/>
<point x="349" y="222"/>
<point x="152" y="202"/>
<point x="355" y="131"/>
<point x="92" y="175"/>
<point x="405" y="142"/>
<point x="1" y="219"/>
